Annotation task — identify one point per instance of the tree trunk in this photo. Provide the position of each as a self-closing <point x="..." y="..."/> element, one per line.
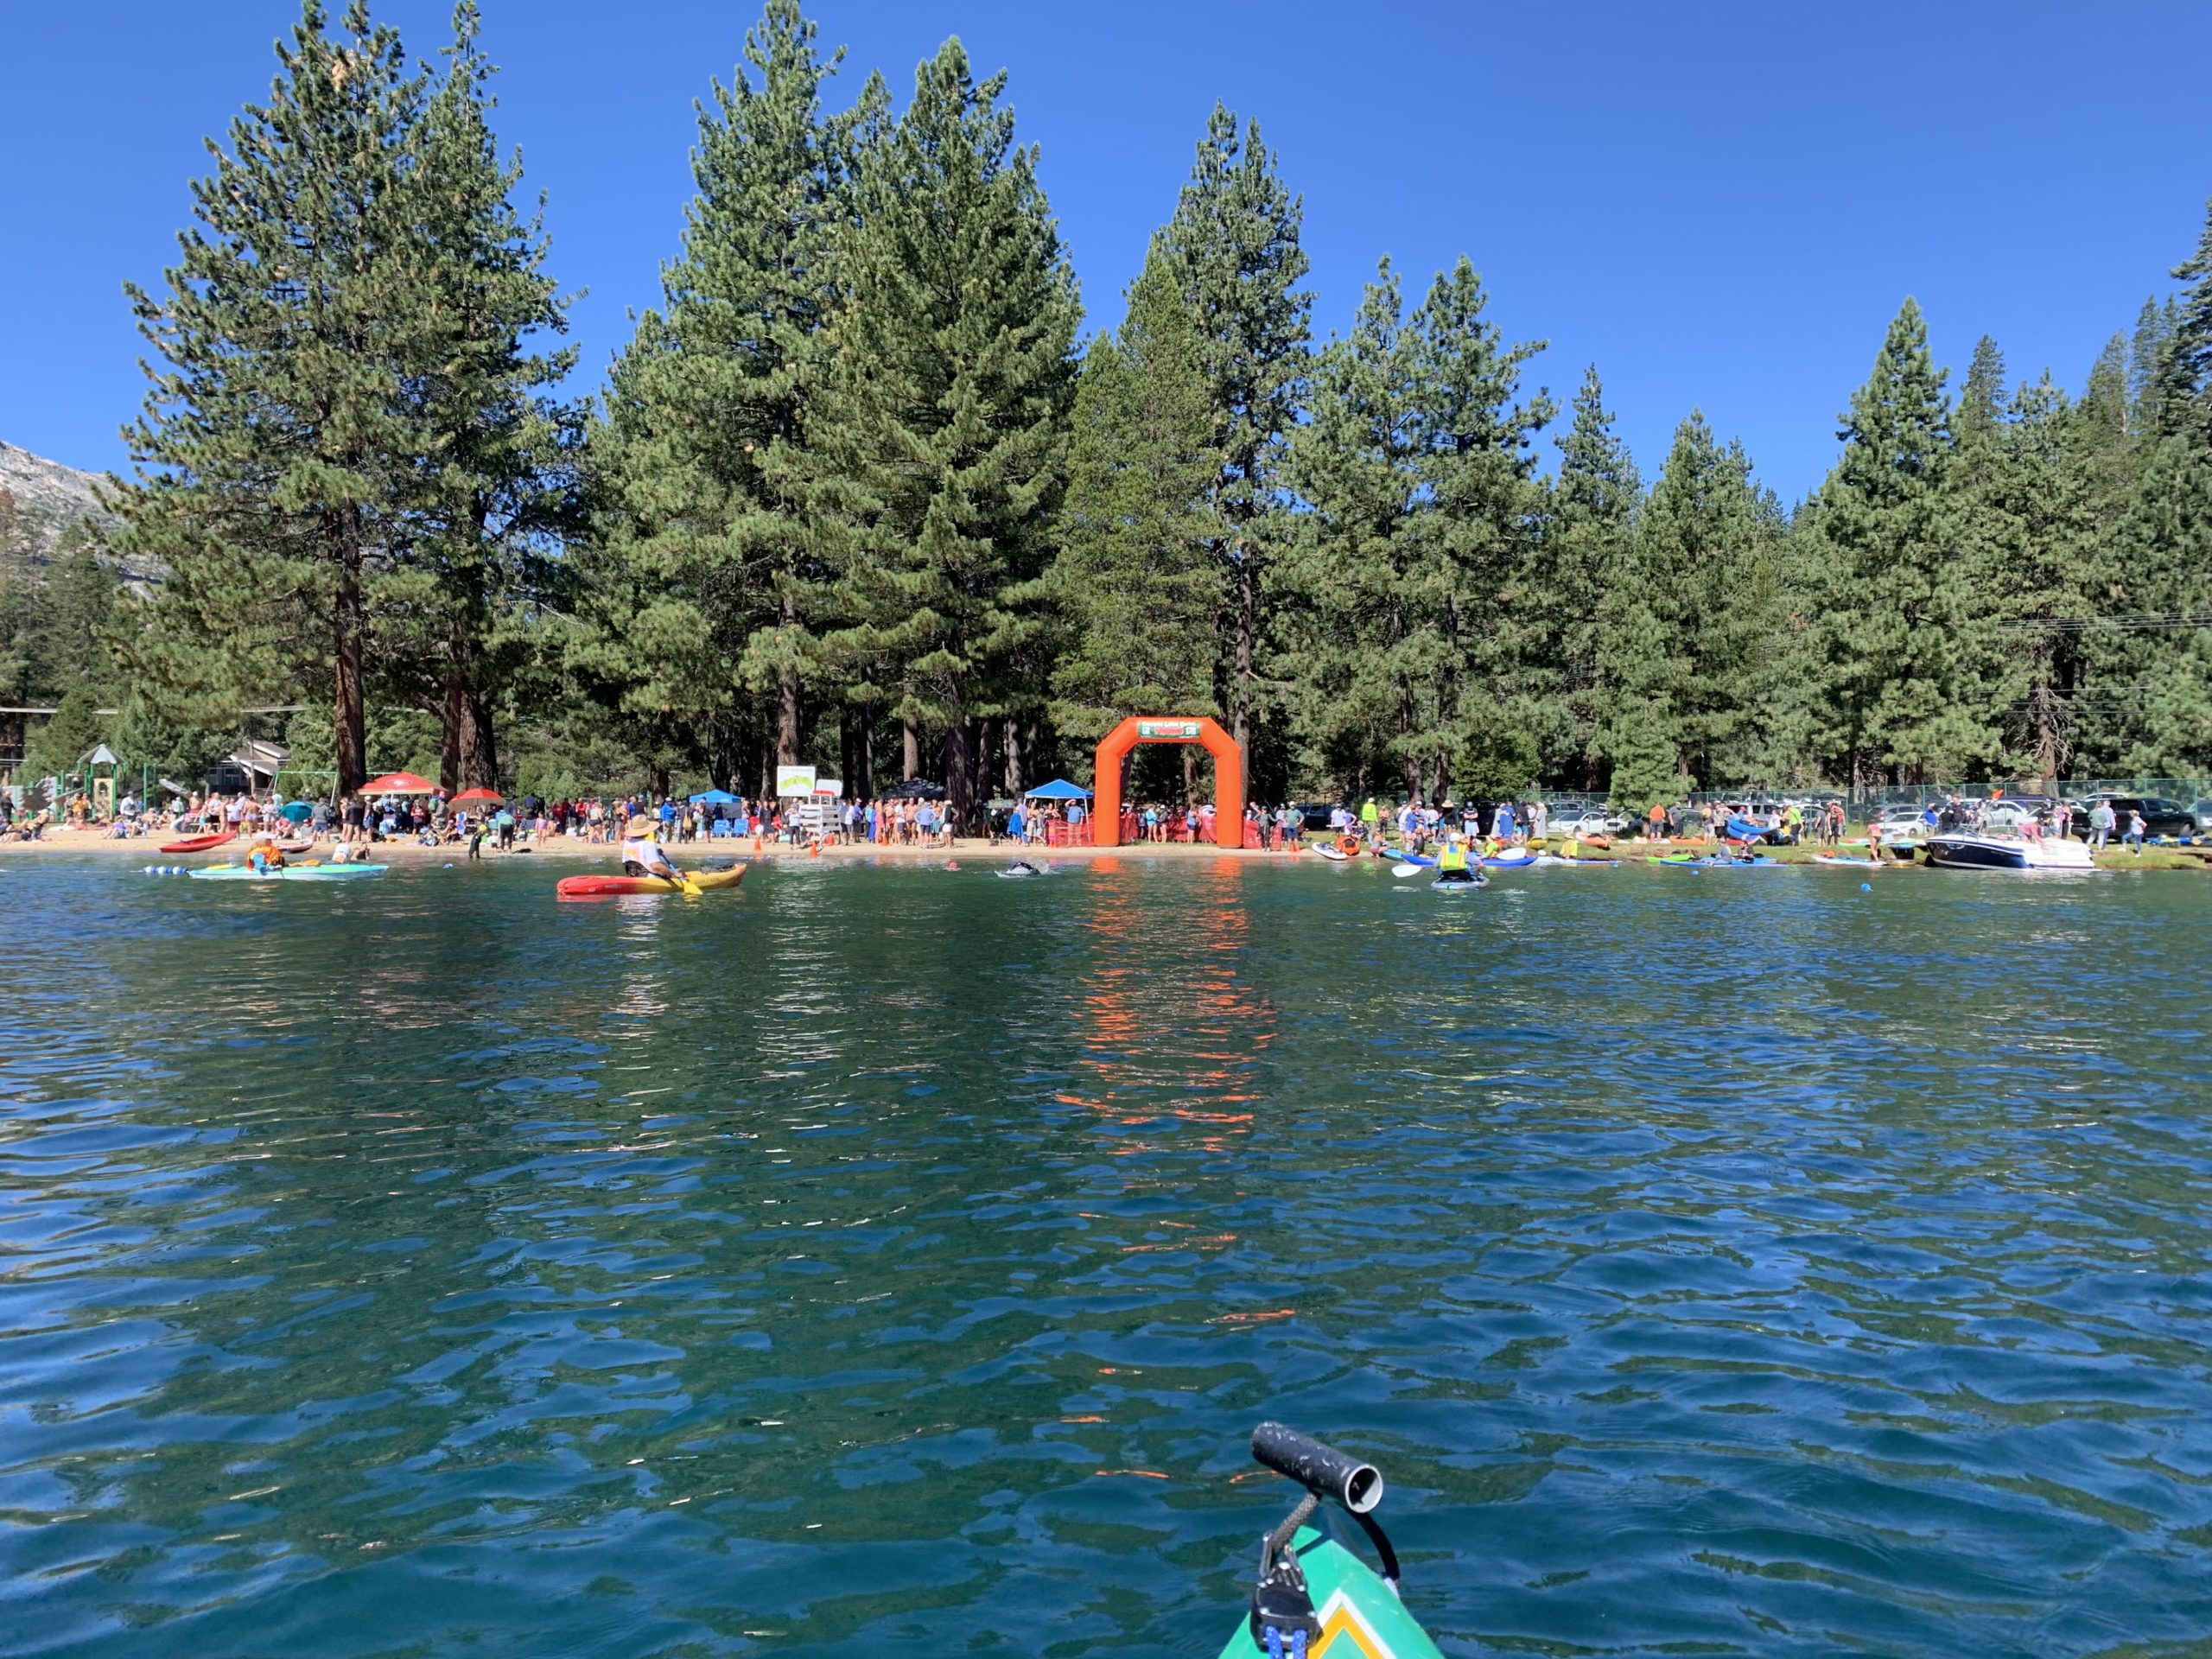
<point x="351" y="713"/>
<point x="959" y="772"/>
<point x="990" y="756"/>
<point x="1248" y="629"/>
<point x="913" y="756"/>
<point x="867" y="791"/>
<point x="1411" y="763"/>
<point x="479" y="754"/>
<point x="791" y="735"/>
<point x="656" y="780"/>
<point x="449" y="732"/>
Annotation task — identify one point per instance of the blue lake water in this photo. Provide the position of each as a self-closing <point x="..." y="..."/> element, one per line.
<point x="890" y="1260"/>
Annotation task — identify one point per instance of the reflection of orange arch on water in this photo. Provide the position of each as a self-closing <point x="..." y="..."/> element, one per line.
<point x="1228" y="774"/>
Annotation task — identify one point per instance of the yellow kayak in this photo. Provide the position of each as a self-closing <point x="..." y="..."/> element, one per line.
<point x="599" y="886"/>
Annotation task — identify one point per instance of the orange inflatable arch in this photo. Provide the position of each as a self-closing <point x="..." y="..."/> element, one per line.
<point x="1228" y="775"/>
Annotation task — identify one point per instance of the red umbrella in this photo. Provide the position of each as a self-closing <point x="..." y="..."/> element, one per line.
<point x="399" y="783"/>
<point x="479" y="797"/>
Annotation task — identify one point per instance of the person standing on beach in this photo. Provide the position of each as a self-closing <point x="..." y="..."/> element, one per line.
<point x="2101" y="820"/>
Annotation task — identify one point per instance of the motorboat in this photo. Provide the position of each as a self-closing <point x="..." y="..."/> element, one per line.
<point x="1967" y="849"/>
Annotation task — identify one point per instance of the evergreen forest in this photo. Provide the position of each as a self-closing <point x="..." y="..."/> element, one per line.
<point x="863" y="491"/>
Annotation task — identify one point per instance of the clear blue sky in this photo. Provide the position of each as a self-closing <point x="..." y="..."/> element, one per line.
<point x="1720" y="205"/>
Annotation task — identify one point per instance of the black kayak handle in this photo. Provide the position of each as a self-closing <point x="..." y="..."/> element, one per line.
<point x="1320" y="1469"/>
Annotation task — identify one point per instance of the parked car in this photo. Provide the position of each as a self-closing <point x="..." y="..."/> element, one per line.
<point x="2009" y="814"/>
<point x="1589" y="823"/>
<point x="1901" y="822"/>
<point x="2160" y="815"/>
<point x="1315" y="813"/>
<point x="2202" y="811"/>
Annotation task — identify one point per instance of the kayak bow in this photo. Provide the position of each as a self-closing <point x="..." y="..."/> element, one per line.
<point x="1313" y="1596"/>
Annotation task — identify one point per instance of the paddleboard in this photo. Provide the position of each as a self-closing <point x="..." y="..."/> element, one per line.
<point x="291" y="873"/>
<point x="1360" y="1616"/>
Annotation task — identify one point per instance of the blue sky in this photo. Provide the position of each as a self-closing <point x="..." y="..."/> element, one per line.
<point x="1719" y="205"/>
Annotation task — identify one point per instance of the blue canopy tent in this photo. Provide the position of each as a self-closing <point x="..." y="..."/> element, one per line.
<point x="1060" y="789"/>
<point x="714" y="798"/>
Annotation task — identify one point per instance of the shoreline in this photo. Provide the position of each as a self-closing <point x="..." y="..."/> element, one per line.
<point x="562" y="850"/>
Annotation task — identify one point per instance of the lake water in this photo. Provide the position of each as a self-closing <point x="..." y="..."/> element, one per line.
<point x="895" y="1260"/>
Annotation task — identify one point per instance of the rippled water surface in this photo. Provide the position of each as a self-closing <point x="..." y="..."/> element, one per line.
<point x="893" y="1261"/>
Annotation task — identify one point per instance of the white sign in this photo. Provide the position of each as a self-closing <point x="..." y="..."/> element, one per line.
<point x="829" y="789"/>
<point x="794" y="780"/>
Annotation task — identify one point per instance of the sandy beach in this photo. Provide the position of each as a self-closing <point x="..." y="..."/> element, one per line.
<point x="563" y="850"/>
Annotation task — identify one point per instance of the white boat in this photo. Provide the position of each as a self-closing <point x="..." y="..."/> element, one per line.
<point x="1961" y="849"/>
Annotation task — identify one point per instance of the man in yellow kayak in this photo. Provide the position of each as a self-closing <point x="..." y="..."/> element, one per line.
<point x="641" y="851"/>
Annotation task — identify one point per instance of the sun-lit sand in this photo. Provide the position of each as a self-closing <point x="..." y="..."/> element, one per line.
<point x="562" y="850"/>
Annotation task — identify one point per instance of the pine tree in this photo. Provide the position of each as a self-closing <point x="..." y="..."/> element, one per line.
<point x="2167" y="540"/>
<point x="1981" y="402"/>
<point x="275" y="430"/>
<point x="2154" y="327"/>
<point x="1588" y="542"/>
<point x="1478" y="471"/>
<point x="1417" y="464"/>
<point x="956" y="372"/>
<point x="725" y="528"/>
<point x="1135" y="579"/>
<point x="494" y="483"/>
<point x="1234" y="246"/>
<point x="1371" y="658"/>
<point x="1894" y="610"/>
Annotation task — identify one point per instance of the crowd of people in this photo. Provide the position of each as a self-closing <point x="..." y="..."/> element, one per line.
<point x="481" y="819"/>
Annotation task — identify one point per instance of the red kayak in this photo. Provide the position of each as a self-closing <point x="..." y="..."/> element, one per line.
<point x="600" y="886"/>
<point x="195" y="843"/>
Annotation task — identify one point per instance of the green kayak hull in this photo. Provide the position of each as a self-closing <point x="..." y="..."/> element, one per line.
<point x="1361" y="1617"/>
<point x="291" y="873"/>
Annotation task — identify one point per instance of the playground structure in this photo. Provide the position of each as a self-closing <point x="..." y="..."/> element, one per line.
<point x="1228" y="774"/>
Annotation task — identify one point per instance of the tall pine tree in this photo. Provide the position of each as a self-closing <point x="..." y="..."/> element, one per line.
<point x="1897" y="591"/>
<point x="494" y="488"/>
<point x="725" y="530"/>
<point x="1587" y="546"/>
<point x="1234" y="246"/>
<point x="275" y="442"/>
<point x="2168" y="541"/>
<point x="1135" y="579"/>
<point x="956" y="372"/>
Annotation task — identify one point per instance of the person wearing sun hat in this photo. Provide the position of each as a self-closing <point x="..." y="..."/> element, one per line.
<point x="641" y="852"/>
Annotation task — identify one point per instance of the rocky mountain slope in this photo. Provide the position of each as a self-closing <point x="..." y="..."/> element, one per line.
<point x="47" y="498"/>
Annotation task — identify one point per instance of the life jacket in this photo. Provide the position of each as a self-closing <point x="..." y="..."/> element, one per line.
<point x="1454" y="857"/>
